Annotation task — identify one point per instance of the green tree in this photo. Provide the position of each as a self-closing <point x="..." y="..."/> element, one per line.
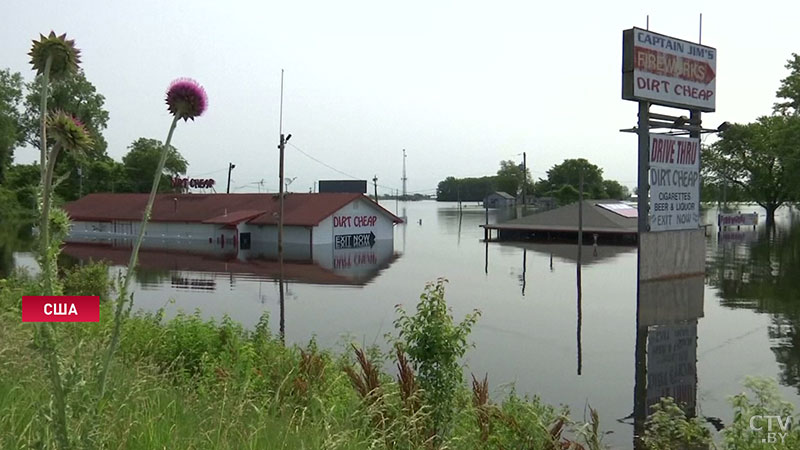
<point x="77" y="96"/>
<point x="615" y="190"/>
<point x="10" y="127"/>
<point x="510" y="177"/>
<point x="566" y="195"/>
<point x="73" y="94"/>
<point x="762" y="158"/>
<point x="452" y="189"/>
<point x="23" y="179"/>
<point x="569" y="173"/>
<point x="141" y="161"/>
<point x="790" y="89"/>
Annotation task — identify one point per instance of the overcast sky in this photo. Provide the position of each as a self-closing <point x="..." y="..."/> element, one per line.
<point x="459" y="85"/>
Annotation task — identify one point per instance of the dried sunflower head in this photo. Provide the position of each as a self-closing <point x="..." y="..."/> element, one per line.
<point x="65" y="57"/>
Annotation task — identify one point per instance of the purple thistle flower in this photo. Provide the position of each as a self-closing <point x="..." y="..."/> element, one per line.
<point x="69" y="131"/>
<point x="186" y="99"/>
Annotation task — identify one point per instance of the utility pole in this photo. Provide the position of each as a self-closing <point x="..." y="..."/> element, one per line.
<point x="375" y="184"/>
<point x="281" y="195"/>
<point x="231" y="166"/>
<point x="524" y="176"/>
<point x="281" y="147"/>
<point x="405" y="178"/>
<point x="580" y="222"/>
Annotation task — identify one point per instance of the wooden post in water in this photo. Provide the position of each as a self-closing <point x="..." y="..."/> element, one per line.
<point x="486" y="228"/>
<point x="578" y="268"/>
<point x="524" y="268"/>
<point x="580" y="219"/>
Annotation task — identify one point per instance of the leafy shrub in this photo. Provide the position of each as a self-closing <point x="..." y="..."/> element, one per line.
<point x="435" y="344"/>
<point x="766" y="401"/>
<point x="90" y="279"/>
<point x="668" y="428"/>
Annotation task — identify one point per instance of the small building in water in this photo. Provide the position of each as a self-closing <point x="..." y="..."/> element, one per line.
<point x="610" y="221"/>
<point x="499" y="199"/>
<point x="244" y="226"/>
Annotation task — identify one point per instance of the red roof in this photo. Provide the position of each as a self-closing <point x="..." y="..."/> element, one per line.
<point x="235" y="217"/>
<point x="300" y="209"/>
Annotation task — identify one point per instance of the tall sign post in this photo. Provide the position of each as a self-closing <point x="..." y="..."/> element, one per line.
<point x="666" y="71"/>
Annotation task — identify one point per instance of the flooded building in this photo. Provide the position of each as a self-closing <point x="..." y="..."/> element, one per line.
<point x="606" y="220"/>
<point x="499" y="199"/>
<point x="243" y="226"/>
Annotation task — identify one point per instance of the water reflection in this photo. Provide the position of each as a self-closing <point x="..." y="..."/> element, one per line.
<point x="201" y="271"/>
<point x="569" y="252"/>
<point x="597" y="332"/>
<point x="760" y="271"/>
<point x="666" y="346"/>
<point x="14" y="237"/>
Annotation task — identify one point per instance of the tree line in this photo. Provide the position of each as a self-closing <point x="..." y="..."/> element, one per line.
<point x="562" y="183"/>
<point x="76" y="174"/>
<point x="756" y="162"/>
<point x="759" y="161"/>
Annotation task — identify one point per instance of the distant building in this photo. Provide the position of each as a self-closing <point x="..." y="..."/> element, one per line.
<point x="241" y="226"/>
<point x="499" y="199"/>
<point x="608" y="220"/>
<point x="351" y="186"/>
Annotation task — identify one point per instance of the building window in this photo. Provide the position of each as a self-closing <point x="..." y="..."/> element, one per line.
<point x="244" y="241"/>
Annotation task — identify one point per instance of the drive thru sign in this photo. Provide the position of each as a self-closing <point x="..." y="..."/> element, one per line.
<point x="674" y="183"/>
<point x="668" y="71"/>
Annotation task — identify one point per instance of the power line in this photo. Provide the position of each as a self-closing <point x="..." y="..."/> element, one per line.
<point x="209" y="173"/>
<point x="323" y="163"/>
<point x="383" y="186"/>
<point x="335" y="169"/>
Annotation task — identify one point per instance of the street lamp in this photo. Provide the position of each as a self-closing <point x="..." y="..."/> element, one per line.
<point x="231" y="166"/>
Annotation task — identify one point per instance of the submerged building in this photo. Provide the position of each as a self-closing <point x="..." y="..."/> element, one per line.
<point x="607" y="220"/>
<point x="243" y="226"/>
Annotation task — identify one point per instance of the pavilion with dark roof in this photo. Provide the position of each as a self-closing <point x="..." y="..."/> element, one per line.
<point x="610" y="220"/>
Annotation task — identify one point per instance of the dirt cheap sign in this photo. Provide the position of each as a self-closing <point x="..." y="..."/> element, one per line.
<point x="674" y="183"/>
<point x="669" y="71"/>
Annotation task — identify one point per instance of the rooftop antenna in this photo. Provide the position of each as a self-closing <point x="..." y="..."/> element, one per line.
<point x="648" y="22"/>
<point x="700" y="36"/>
<point x="405" y="178"/>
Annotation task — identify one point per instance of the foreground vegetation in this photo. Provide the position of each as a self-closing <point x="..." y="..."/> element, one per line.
<point x="145" y="382"/>
<point x="188" y="383"/>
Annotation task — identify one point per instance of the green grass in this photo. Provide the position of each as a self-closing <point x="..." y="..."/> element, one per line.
<point x="188" y="383"/>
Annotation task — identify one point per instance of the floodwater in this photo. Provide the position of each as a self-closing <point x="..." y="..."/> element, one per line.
<point x="704" y="336"/>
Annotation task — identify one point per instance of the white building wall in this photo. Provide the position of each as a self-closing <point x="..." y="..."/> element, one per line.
<point x="357" y="217"/>
<point x="360" y="217"/>
<point x="193" y="236"/>
<point x="264" y="242"/>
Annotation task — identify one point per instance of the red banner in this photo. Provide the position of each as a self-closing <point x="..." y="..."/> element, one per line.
<point x="60" y="308"/>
